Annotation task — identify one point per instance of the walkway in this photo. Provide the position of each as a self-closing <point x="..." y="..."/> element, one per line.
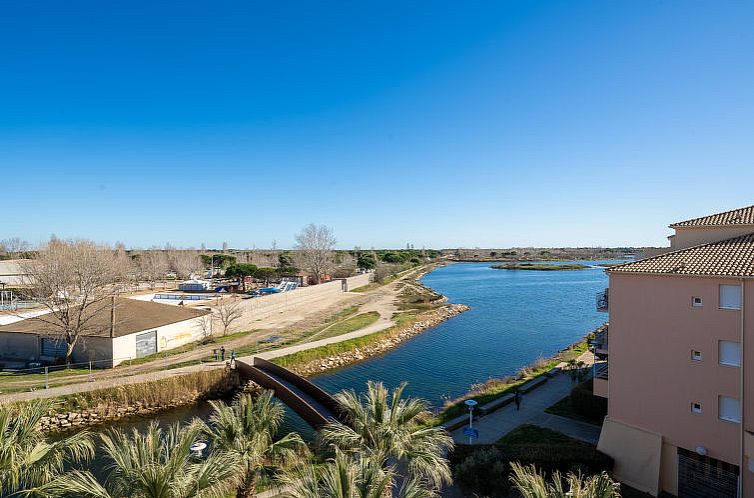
<point x="500" y="422"/>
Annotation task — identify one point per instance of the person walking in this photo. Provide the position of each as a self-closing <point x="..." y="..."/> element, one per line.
<point x="222" y="353"/>
<point x="517" y="399"/>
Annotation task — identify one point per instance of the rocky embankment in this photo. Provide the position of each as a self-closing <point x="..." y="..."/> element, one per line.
<point x="386" y="343"/>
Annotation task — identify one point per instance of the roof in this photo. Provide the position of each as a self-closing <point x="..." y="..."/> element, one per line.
<point x="130" y="316"/>
<point x="726" y="258"/>
<point x="740" y="216"/>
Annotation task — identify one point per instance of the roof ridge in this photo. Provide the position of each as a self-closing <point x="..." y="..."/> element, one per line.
<point x="690" y="221"/>
<point x="680" y="251"/>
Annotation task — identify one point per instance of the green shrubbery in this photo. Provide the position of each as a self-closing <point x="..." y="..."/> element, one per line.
<point x="586" y="403"/>
<point x="485" y="469"/>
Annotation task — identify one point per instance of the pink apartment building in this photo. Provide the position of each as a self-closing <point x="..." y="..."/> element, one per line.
<point x="675" y="369"/>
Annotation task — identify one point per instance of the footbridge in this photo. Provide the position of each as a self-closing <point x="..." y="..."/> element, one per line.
<point x="311" y="403"/>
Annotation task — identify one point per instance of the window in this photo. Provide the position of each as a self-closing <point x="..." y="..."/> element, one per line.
<point x="696" y="407"/>
<point x="730" y="353"/>
<point x="730" y="409"/>
<point x="696" y="355"/>
<point x="696" y="302"/>
<point x="730" y="297"/>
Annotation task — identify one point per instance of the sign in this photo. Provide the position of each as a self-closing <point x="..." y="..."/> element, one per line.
<point x="472" y="433"/>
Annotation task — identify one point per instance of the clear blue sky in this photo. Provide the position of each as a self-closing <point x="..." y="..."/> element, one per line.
<point x="442" y="124"/>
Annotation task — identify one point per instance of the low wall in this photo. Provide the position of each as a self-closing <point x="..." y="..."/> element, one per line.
<point x="265" y="306"/>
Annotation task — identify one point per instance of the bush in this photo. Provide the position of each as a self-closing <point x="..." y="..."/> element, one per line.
<point x="586" y="403"/>
<point x="485" y="469"/>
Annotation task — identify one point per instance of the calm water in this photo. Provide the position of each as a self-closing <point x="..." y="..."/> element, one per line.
<point x="515" y="316"/>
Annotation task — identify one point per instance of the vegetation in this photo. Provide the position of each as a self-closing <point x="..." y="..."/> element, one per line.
<point x="156" y="464"/>
<point x="350" y="324"/>
<point x="540" y="266"/>
<point x="346" y="476"/>
<point x="27" y="460"/>
<point x="387" y="427"/>
<point x="485" y="469"/>
<point x="495" y="388"/>
<point x="247" y="430"/>
<point x="531" y="483"/>
<point x="581" y="405"/>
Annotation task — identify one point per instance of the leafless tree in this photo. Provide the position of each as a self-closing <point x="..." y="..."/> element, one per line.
<point x="207" y="323"/>
<point x="153" y="265"/>
<point x="315" y="245"/>
<point x="227" y="312"/>
<point x="184" y="262"/>
<point x="75" y="280"/>
<point x="14" y="247"/>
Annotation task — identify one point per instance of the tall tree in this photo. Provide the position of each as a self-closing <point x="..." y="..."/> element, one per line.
<point x="315" y="244"/>
<point x="389" y="428"/>
<point x="156" y="464"/>
<point x="153" y="265"/>
<point x="75" y="280"/>
<point x="226" y="312"/>
<point x="27" y="459"/>
<point x="14" y="247"/>
<point x="248" y="430"/>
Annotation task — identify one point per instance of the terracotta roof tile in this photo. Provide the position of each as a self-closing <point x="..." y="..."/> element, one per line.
<point x="741" y="216"/>
<point x="729" y="258"/>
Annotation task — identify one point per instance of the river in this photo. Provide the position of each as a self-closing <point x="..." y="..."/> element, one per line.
<point x="515" y="317"/>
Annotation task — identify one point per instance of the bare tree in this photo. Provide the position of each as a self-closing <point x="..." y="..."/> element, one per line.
<point x="316" y="244"/>
<point x="227" y="312"/>
<point x="153" y="265"/>
<point x="14" y="247"/>
<point x="184" y="262"/>
<point x="75" y="280"/>
<point x="207" y="323"/>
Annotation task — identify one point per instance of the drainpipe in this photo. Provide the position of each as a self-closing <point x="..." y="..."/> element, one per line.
<point x="743" y="390"/>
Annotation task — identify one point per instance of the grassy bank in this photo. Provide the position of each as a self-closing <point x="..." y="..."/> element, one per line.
<point x="303" y="357"/>
<point x="540" y="266"/>
<point x="495" y="388"/>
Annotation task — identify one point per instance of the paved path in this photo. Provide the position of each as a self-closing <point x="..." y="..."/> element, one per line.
<point x="500" y="422"/>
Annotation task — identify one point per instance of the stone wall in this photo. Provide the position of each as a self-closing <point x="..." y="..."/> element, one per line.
<point x="390" y="340"/>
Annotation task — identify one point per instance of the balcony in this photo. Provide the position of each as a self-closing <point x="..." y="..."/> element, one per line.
<point x="602" y="300"/>
<point x="600" y="341"/>
<point x="599" y="382"/>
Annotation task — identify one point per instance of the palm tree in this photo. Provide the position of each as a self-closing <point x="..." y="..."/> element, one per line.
<point x="389" y="428"/>
<point x="156" y="464"/>
<point x="532" y="484"/>
<point x="27" y="459"/>
<point x="346" y="476"/>
<point x="247" y="430"/>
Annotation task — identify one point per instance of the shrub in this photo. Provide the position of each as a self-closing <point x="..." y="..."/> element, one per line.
<point x="586" y="403"/>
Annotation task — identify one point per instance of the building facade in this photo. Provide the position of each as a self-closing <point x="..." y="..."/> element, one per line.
<point x="674" y="370"/>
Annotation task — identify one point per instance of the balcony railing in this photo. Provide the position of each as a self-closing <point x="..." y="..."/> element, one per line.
<point x="601" y="370"/>
<point x="600" y="341"/>
<point x="602" y="300"/>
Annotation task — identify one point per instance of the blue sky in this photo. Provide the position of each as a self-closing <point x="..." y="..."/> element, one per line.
<point x="441" y="124"/>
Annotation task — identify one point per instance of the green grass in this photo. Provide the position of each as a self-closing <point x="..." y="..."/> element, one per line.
<point x="532" y="434"/>
<point x="11" y="383"/>
<point x="349" y="325"/>
<point x="303" y="357"/>
<point x="564" y="408"/>
<point x="540" y="267"/>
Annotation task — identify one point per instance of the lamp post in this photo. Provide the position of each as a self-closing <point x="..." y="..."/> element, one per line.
<point x="471" y="404"/>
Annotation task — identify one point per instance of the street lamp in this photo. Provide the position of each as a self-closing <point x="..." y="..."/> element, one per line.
<point x="470" y="431"/>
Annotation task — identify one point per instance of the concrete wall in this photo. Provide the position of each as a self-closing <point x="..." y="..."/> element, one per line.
<point x="262" y="307"/>
<point x="168" y="337"/>
<point x="19" y="346"/>
<point x="11" y="273"/>
<point x="653" y="379"/>
<point x="694" y="236"/>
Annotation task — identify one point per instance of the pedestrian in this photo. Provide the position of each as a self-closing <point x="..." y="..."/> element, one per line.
<point x="517" y="399"/>
<point x="233" y="359"/>
<point x="222" y="353"/>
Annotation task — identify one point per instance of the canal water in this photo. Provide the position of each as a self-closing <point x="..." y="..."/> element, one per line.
<point x="515" y="317"/>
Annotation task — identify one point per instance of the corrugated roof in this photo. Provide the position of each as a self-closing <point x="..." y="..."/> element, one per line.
<point x="740" y="216"/>
<point x="130" y="316"/>
<point x="726" y="258"/>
